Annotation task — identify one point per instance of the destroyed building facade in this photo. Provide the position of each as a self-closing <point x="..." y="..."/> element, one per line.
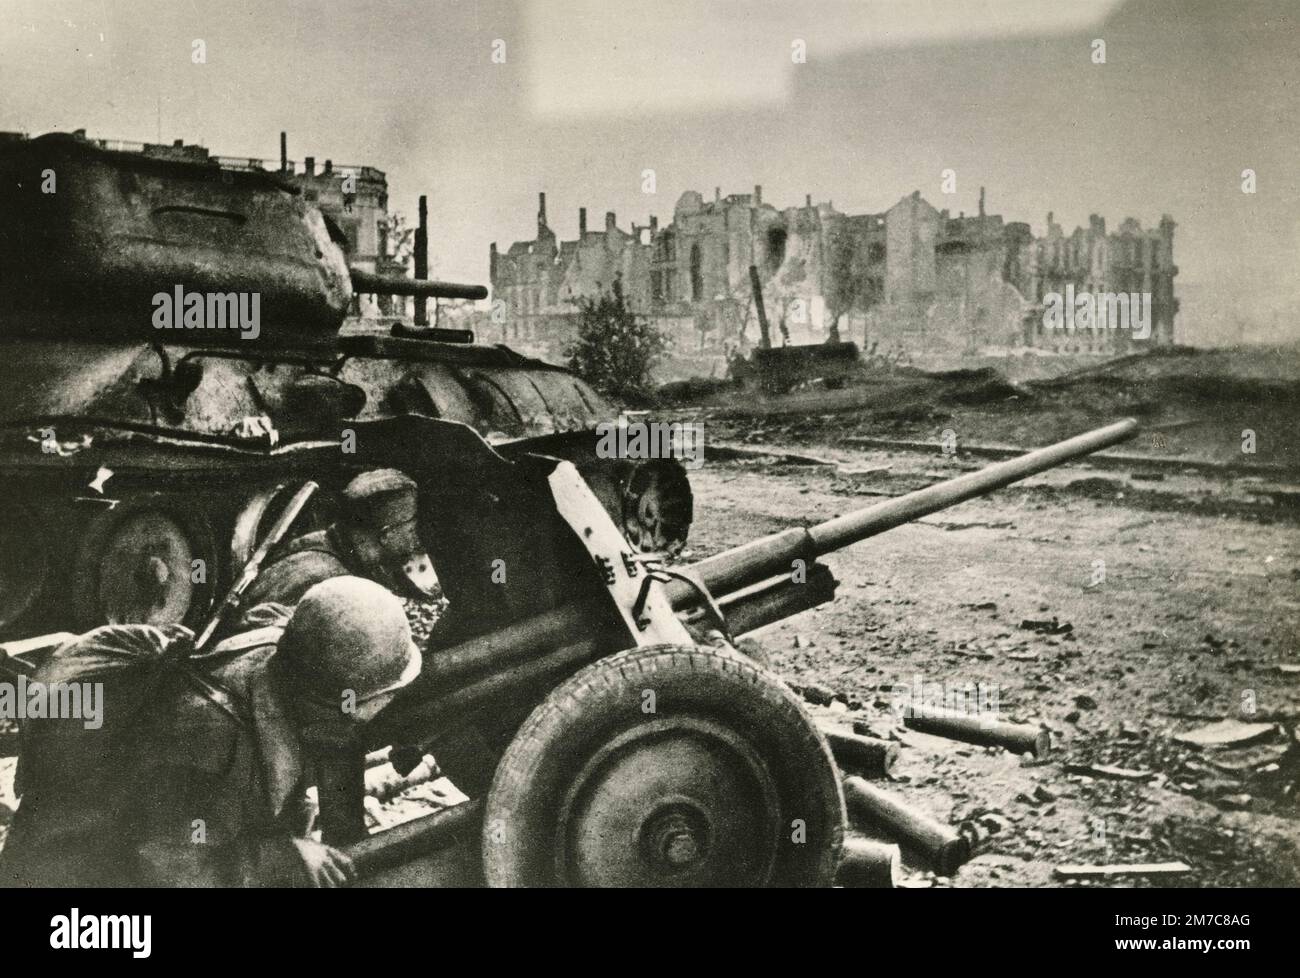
<point x="535" y="284"/>
<point x="1131" y="260"/>
<point x="913" y="282"/>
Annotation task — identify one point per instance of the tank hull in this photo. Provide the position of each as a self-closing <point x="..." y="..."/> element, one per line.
<point x="139" y="475"/>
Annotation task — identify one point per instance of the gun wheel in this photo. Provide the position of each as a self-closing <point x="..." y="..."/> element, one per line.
<point x="665" y="766"/>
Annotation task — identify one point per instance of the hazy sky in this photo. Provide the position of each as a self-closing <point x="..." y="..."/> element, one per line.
<point x="704" y="92"/>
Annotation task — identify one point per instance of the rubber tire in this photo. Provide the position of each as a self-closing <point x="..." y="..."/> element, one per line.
<point x="604" y="699"/>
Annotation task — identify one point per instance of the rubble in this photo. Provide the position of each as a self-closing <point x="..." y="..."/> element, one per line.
<point x="1076" y="871"/>
<point x="1109" y="771"/>
<point x="1226" y="733"/>
<point x="1234" y="803"/>
<point x="1043" y="627"/>
<point x="861" y="473"/>
<point x="815" y="693"/>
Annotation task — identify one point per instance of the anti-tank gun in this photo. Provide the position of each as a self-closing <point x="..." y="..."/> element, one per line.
<point x="599" y="742"/>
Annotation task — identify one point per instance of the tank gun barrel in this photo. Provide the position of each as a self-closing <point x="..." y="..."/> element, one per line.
<point x="372" y="283"/>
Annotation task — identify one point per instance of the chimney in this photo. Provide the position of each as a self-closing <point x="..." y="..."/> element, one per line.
<point x="329" y="166"/>
<point x="421" y="255"/>
<point x="807" y="200"/>
<point x="582" y="221"/>
<point x="609" y="220"/>
<point x="541" y="210"/>
<point x="654" y="224"/>
<point x="981" y="201"/>
<point x="178" y="143"/>
<point x="310" y="163"/>
<point x="284" y="151"/>
<point x="717" y="194"/>
<point x="758" y="195"/>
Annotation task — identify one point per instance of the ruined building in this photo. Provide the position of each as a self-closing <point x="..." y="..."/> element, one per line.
<point x="699" y="270"/>
<point x="1131" y="260"/>
<point x="913" y="282"/>
<point x="536" y="282"/>
<point x="944" y="284"/>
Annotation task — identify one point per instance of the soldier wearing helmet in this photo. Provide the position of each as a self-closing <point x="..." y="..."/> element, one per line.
<point x="208" y="787"/>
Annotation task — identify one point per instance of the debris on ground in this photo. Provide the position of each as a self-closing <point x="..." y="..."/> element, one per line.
<point x="1226" y="733"/>
<point x="1087" y="872"/>
<point x="1109" y="771"/>
<point x="1052" y="627"/>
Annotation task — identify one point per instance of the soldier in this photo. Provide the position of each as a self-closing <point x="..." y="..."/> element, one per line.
<point x="375" y="537"/>
<point x="206" y="785"/>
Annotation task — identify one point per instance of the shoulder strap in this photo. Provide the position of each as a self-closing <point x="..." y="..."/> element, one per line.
<point x="178" y="662"/>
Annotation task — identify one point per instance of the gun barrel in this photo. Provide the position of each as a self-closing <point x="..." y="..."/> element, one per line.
<point x="772" y="555"/>
<point x="485" y="669"/>
<point x="845" y="530"/>
<point x="375" y="284"/>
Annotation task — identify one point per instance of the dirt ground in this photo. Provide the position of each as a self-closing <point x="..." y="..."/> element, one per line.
<point x="1188" y="621"/>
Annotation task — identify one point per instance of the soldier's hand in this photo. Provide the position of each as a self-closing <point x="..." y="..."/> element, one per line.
<point x="325" y="865"/>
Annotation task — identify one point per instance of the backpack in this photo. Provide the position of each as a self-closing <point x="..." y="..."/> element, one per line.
<point x="120" y="670"/>
<point x="73" y="769"/>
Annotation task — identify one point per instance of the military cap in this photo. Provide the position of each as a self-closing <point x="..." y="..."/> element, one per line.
<point x="380" y="498"/>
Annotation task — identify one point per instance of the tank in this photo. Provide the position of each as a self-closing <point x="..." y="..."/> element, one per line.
<point x="150" y="433"/>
